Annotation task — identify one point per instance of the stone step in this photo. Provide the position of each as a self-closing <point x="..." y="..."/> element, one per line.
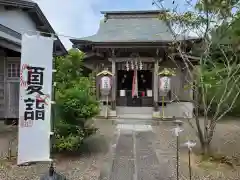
<point x="134" y="110"/>
<point x="134" y="127"/>
<point x="135" y="116"/>
<point x="136" y="121"/>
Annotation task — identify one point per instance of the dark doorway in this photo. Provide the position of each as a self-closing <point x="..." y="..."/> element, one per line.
<point x="124" y="82"/>
<point x="144" y="80"/>
<point x="125" y="79"/>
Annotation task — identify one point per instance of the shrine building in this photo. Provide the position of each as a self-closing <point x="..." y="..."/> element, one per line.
<point x="136" y="46"/>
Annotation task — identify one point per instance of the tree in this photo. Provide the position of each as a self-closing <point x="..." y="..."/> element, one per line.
<point x="69" y="69"/>
<point x="216" y="77"/>
<point x="75" y="103"/>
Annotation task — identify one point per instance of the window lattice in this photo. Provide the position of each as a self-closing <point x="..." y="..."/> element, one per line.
<point x="13" y="70"/>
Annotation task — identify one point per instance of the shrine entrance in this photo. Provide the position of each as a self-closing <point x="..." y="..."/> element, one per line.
<point x="135" y="95"/>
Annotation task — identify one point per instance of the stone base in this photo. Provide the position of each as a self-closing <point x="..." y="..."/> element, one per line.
<point x="156" y="114"/>
<point x="175" y="110"/>
<point x="110" y="114"/>
<point x="178" y="110"/>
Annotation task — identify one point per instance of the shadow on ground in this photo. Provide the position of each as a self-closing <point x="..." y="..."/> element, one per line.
<point x="95" y="144"/>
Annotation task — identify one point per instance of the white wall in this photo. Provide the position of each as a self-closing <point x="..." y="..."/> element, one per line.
<point x="17" y="20"/>
<point x="20" y="22"/>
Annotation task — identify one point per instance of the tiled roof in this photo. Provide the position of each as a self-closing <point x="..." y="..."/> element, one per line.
<point x="132" y="29"/>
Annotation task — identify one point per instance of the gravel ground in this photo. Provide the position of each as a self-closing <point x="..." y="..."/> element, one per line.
<point x="84" y="167"/>
<point x="226" y="142"/>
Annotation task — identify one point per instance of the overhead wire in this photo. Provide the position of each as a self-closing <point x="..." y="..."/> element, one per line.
<point x="23" y="31"/>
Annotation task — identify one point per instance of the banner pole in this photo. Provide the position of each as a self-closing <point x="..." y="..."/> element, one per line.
<point x="52" y="174"/>
<point x="53" y="116"/>
<point x="106" y="111"/>
<point x="177" y="154"/>
<point x="163" y="107"/>
<point x="189" y="164"/>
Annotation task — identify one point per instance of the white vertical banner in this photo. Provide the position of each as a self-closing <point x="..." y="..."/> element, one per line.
<point x="35" y="99"/>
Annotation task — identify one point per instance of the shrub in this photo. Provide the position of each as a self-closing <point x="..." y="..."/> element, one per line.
<point x="75" y="103"/>
<point x="68" y="143"/>
<point x="76" y="107"/>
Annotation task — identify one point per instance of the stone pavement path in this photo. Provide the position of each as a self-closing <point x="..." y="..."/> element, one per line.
<point x="135" y="156"/>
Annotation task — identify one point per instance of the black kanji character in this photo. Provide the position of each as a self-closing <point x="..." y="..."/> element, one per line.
<point x="39" y="114"/>
<point x="34" y="89"/>
<point x="29" y="104"/>
<point x="35" y="80"/>
<point x="29" y="115"/>
<point x="35" y="75"/>
<point x="40" y="103"/>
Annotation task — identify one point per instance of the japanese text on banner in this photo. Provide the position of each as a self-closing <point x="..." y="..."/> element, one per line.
<point x="35" y="100"/>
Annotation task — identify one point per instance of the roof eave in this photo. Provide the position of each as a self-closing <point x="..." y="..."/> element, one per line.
<point x="78" y="41"/>
<point x="87" y="42"/>
<point x="44" y="19"/>
<point x="26" y="4"/>
<point x="33" y="5"/>
<point x="10" y="44"/>
<point x="18" y="45"/>
<point x="133" y="12"/>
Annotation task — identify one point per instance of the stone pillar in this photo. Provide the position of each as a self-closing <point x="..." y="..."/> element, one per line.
<point x="155" y="85"/>
<point x="114" y="84"/>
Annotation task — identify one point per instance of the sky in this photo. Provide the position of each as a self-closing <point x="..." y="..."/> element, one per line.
<point x="80" y="18"/>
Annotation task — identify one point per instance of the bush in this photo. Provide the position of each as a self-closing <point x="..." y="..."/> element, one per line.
<point x="76" y="107"/>
<point x="75" y="104"/>
<point x="69" y="143"/>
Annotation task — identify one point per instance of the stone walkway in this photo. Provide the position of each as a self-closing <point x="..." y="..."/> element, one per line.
<point x="135" y="157"/>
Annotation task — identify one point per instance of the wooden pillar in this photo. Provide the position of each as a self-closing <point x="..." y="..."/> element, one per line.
<point x="114" y="84"/>
<point x="155" y="85"/>
<point x="97" y="83"/>
<point x="2" y="85"/>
